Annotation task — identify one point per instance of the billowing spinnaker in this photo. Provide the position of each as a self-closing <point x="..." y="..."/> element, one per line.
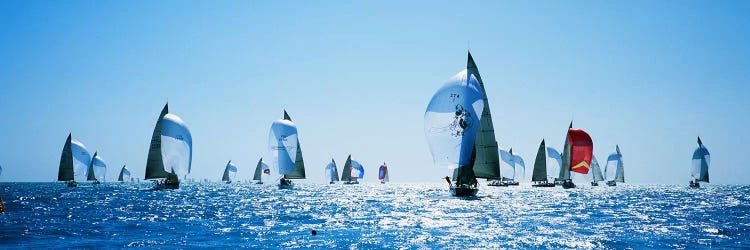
<point x="610" y="170"/>
<point x="261" y="169"/>
<point x="452" y="119"/>
<point x="554" y="154"/>
<point x="124" y="174"/>
<point x="100" y="168"/>
<point x="701" y="161"/>
<point x="382" y="172"/>
<point x="81" y="159"/>
<point x="581" y="150"/>
<point x="230" y="171"/>
<point x="507" y="169"/>
<point x="358" y="170"/>
<point x="283" y="144"/>
<point x="176" y="145"/>
<point x="517" y="160"/>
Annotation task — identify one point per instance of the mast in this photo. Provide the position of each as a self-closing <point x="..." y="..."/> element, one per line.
<point x="65" y="171"/>
<point x="299" y="163"/>
<point x="540" y="164"/>
<point x="486" y="163"/>
<point x="154" y="163"/>
<point x="335" y="171"/>
<point x="565" y="169"/>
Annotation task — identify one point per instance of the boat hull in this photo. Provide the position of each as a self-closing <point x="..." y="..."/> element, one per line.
<point x="567" y="184"/>
<point x="695" y="184"/>
<point x="497" y="184"/>
<point x="594" y="184"/>
<point x="72" y="184"/>
<point x="351" y="182"/>
<point x="611" y="183"/>
<point x="464" y="191"/>
<point x="544" y="184"/>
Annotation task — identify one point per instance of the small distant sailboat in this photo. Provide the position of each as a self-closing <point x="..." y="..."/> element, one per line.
<point x="170" y="154"/>
<point x="124" y="174"/>
<point x="74" y="161"/>
<point x="97" y="169"/>
<point x="331" y="172"/>
<point x="383" y="173"/>
<point x="230" y="171"/>
<point x="614" y="174"/>
<point x="539" y="173"/>
<point x="451" y="124"/>
<point x="557" y="156"/>
<point x="577" y="154"/>
<point x="699" y="169"/>
<point x="511" y="160"/>
<point x="284" y="142"/>
<point x="261" y="169"/>
<point x="353" y="171"/>
<point x="596" y="172"/>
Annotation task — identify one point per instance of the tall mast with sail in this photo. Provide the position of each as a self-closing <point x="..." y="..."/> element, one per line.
<point x="170" y="153"/>
<point x="261" y="169"/>
<point x="596" y="172"/>
<point x="614" y="170"/>
<point x="451" y="123"/>
<point x="487" y="161"/>
<point x="331" y="172"/>
<point x="124" y="174"/>
<point x="346" y="173"/>
<point x="577" y="155"/>
<point x="74" y="161"/>
<point x="699" y="168"/>
<point x="230" y="171"/>
<point x="383" y="173"/>
<point x="539" y="173"/>
<point x="97" y="169"/>
<point x="283" y="140"/>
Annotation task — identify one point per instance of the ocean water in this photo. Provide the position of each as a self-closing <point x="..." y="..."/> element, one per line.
<point x="51" y="215"/>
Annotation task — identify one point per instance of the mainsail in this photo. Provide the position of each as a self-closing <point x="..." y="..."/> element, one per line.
<point x="124" y="174"/>
<point x="596" y="171"/>
<point x="486" y="161"/>
<point x="154" y="163"/>
<point x="539" y="173"/>
<point x="451" y="125"/>
<point x="299" y="164"/>
<point x="230" y="171"/>
<point x="283" y="143"/>
<point x="260" y="169"/>
<point x="346" y="174"/>
<point x="97" y="169"/>
<point x="614" y="169"/>
<point x="383" y="173"/>
<point x="332" y="174"/>
<point x="701" y="161"/>
<point x="74" y="160"/>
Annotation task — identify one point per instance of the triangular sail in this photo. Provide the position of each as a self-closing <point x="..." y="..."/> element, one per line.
<point x="701" y="162"/>
<point x="486" y="162"/>
<point x="90" y="172"/>
<point x="539" y="173"/>
<point x="614" y="169"/>
<point x="230" y="171"/>
<point x="596" y="172"/>
<point x="346" y="174"/>
<point x="124" y="174"/>
<point x="298" y="172"/>
<point x="98" y="169"/>
<point x="332" y="174"/>
<point x="260" y="169"/>
<point x="620" y="175"/>
<point x="74" y="161"/>
<point x="176" y="146"/>
<point x="154" y="163"/>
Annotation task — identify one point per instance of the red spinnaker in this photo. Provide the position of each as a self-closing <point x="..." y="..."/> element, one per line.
<point x="581" y="150"/>
<point x="382" y="172"/>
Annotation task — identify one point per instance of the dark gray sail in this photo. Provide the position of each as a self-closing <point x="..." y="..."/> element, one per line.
<point x="258" y="170"/>
<point x="346" y="174"/>
<point x="487" y="161"/>
<point x="122" y="171"/>
<point x="154" y="163"/>
<point x="65" y="172"/>
<point x="565" y="169"/>
<point x="335" y="170"/>
<point x="91" y="176"/>
<point x="620" y="174"/>
<point x="225" y="176"/>
<point x="299" y="163"/>
<point x="540" y="164"/>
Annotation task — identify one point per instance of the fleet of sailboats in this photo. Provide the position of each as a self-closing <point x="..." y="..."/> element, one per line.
<point x="170" y="153"/>
<point x="699" y="168"/>
<point x="614" y="169"/>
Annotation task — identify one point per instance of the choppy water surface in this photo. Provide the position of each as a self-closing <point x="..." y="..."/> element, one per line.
<point x="43" y="215"/>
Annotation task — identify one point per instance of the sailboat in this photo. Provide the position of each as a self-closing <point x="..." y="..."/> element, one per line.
<point x="577" y="154"/>
<point x="74" y="161"/>
<point x="616" y="172"/>
<point x="353" y="171"/>
<point x="596" y="172"/>
<point x="539" y="173"/>
<point x="451" y="125"/>
<point x="170" y="153"/>
<point x="284" y="144"/>
<point x="124" y="174"/>
<point x="261" y="169"/>
<point x="230" y="171"/>
<point x="97" y="169"/>
<point x="511" y="160"/>
<point x="699" y="169"/>
<point x="383" y="173"/>
<point x="557" y="156"/>
<point x="331" y="172"/>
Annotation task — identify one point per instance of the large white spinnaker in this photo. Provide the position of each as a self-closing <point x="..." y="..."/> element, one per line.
<point x="614" y="161"/>
<point x="99" y="167"/>
<point x="282" y="141"/>
<point x="451" y="120"/>
<point x="176" y="145"/>
<point x="81" y="160"/>
<point x="554" y="169"/>
<point x="701" y="161"/>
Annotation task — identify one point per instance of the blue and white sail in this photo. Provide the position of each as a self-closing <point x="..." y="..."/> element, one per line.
<point x="701" y="161"/>
<point x="331" y="172"/>
<point x="451" y="120"/>
<point x="124" y="174"/>
<point x="614" y="170"/>
<point x="99" y="167"/>
<point x="74" y="161"/>
<point x="358" y="171"/>
<point x="176" y="145"/>
<point x="230" y="171"/>
<point x="554" y="168"/>
<point x="520" y="172"/>
<point x="282" y="141"/>
<point x="509" y="170"/>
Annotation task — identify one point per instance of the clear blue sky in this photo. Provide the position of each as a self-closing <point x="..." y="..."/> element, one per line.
<point x="356" y="77"/>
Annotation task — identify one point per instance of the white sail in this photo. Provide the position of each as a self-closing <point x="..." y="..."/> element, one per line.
<point x="596" y="171"/>
<point x="610" y="170"/>
<point x="701" y="161"/>
<point x="176" y="145"/>
<point x="520" y="173"/>
<point x="100" y="168"/>
<point x="331" y="174"/>
<point x="230" y="171"/>
<point x="554" y="169"/>
<point x="81" y="160"/>
<point x="282" y="141"/>
<point x="507" y="169"/>
<point x="452" y="119"/>
<point x="124" y="174"/>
